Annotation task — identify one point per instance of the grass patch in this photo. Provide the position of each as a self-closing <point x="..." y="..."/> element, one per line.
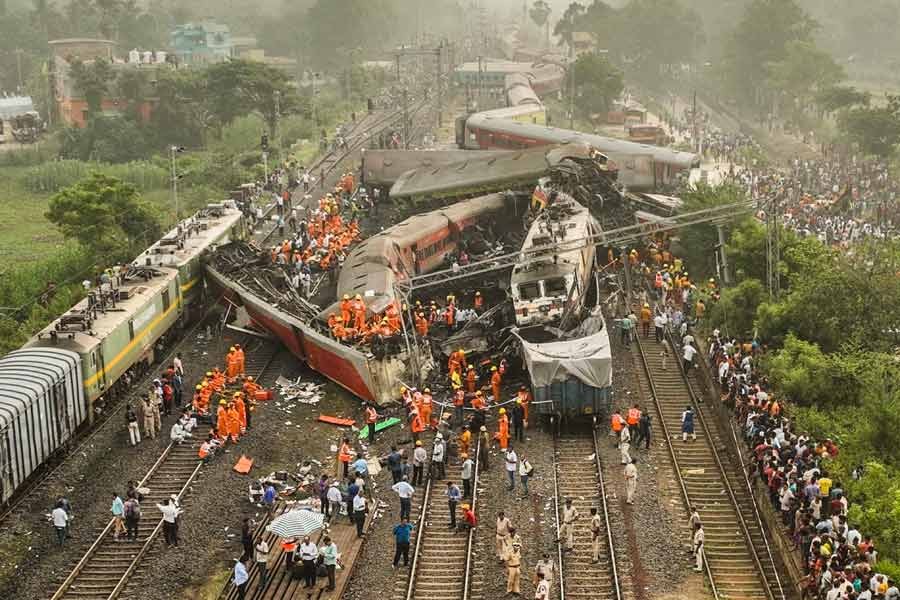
<point x="209" y="589"/>
<point x="25" y="235"/>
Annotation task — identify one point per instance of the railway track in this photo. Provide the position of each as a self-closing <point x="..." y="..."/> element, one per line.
<point x="111" y="569"/>
<point x="356" y="138"/>
<point x="442" y="566"/>
<point x="739" y="564"/>
<point x="580" y="578"/>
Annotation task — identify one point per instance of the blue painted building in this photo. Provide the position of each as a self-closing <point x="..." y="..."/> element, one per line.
<point x="201" y="43"/>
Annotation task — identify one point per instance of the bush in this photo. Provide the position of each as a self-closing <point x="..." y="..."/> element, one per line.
<point x="53" y="176"/>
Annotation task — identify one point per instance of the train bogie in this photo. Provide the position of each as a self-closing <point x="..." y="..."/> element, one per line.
<point x="41" y="406"/>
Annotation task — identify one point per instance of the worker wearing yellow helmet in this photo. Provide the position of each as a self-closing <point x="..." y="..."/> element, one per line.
<point x="503" y="434"/>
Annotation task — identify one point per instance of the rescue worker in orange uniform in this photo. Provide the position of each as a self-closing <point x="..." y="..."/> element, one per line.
<point x="465" y="440"/>
<point x="250" y="387"/>
<point x="478" y="303"/>
<point x="416" y="426"/>
<point x="234" y="422"/>
<point x="471" y="379"/>
<point x="646" y="317"/>
<point x="480" y="407"/>
<point x="450" y="315"/>
<point x="359" y="312"/>
<point x="496" y="380"/>
<point x="332" y="321"/>
<point x="345" y="308"/>
<point x="371" y="421"/>
<point x="456" y="361"/>
<point x="231" y="364"/>
<point x="503" y="429"/>
<point x="241" y="408"/>
<point x="240" y="358"/>
<point x="421" y="325"/>
<point x="344" y="456"/>
<point x="393" y="318"/>
<point x="222" y="420"/>
<point x="524" y="398"/>
<point x="426" y="407"/>
<point x="197" y="402"/>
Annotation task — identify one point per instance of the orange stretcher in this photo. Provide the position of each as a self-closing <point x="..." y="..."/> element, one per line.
<point x="336" y="420"/>
<point x="243" y="465"/>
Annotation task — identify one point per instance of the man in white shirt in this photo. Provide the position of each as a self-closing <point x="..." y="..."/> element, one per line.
<point x="359" y="513"/>
<point x="170" y="513"/>
<point x="335" y="499"/>
<point x="631" y="476"/>
<point x="512" y="461"/>
<point x="309" y="552"/>
<point x="699" y="538"/>
<point x="405" y="492"/>
<point x="688" y="355"/>
<point x="178" y="433"/>
<point x="60" y="522"/>
<point x="262" y="562"/>
<point x="241" y="577"/>
<point x="437" y="457"/>
<point x="659" y="326"/>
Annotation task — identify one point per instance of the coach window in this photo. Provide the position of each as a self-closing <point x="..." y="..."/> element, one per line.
<point x="529" y="291"/>
<point x="62" y="408"/>
<point x="555" y="287"/>
<point x="5" y="468"/>
<point x="130" y="330"/>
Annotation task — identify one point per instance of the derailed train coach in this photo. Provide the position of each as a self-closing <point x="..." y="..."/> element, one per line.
<point x="66" y="373"/>
<point x="41" y="406"/>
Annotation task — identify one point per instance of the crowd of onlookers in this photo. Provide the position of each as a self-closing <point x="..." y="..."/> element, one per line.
<point x="840" y="561"/>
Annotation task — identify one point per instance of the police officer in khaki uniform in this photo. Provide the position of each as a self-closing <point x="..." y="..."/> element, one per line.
<point x="567" y="530"/>
<point x="513" y="569"/>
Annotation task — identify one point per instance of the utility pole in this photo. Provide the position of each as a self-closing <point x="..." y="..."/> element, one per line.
<point x="406" y="118"/>
<point x="694" y="120"/>
<point x="440" y="87"/>
<point x="277" y="117"/>
<point x="726" y="279"/>
<point x="173" y="150"/>
<point x="773" y="248"/>
<point x="571" y="87"/>
<point x="19" y="68"/>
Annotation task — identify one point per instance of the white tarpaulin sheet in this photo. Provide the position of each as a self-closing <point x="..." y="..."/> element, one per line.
<point x="587" y="357"/>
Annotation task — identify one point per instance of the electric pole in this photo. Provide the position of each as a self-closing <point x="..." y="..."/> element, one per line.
<point x="440" y="88"/>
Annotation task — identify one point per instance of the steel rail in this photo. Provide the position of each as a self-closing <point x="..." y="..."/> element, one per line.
<point x="420" y="535"/>
<point x="672" y="454"/>
<point x="470" y="543"/>
<point x="744" y="529"/>
<point x="92" y="550"/>
<point x="559" y="545"/>
<point x="605" y="507"/>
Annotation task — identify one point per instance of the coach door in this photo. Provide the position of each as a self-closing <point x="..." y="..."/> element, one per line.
<point x="6" y="486"/>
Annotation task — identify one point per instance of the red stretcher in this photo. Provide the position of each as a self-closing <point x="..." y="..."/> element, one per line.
<point x="336" y="420"/>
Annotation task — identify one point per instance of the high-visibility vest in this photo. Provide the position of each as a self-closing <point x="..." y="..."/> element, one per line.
<point x="634" y="415"/>
<point x="617" y="422"/>
<point x="371" y="415"/>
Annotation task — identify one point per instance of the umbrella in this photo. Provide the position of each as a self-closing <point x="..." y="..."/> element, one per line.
<point x="296" y="523"/>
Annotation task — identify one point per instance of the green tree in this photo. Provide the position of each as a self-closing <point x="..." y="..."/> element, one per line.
<point x="761" y="39"/>
<point x="659" y="36"/>
<point x="93" y="81"/>
<point x="838" y="97"/>
<point x="804" y="71"/>
<point x="875" y="129"/>
<point x="106" y="216"/>
<point x="184" y="114"/>
<point x="113" y="139"/>
<point x="241" y="87"/>
<point x="597" y="83"/>
<point x="735" y="312"/>
<point x="700" y="241"/>
<point x="540" y="15"/>
<point x="569" y="22"/>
